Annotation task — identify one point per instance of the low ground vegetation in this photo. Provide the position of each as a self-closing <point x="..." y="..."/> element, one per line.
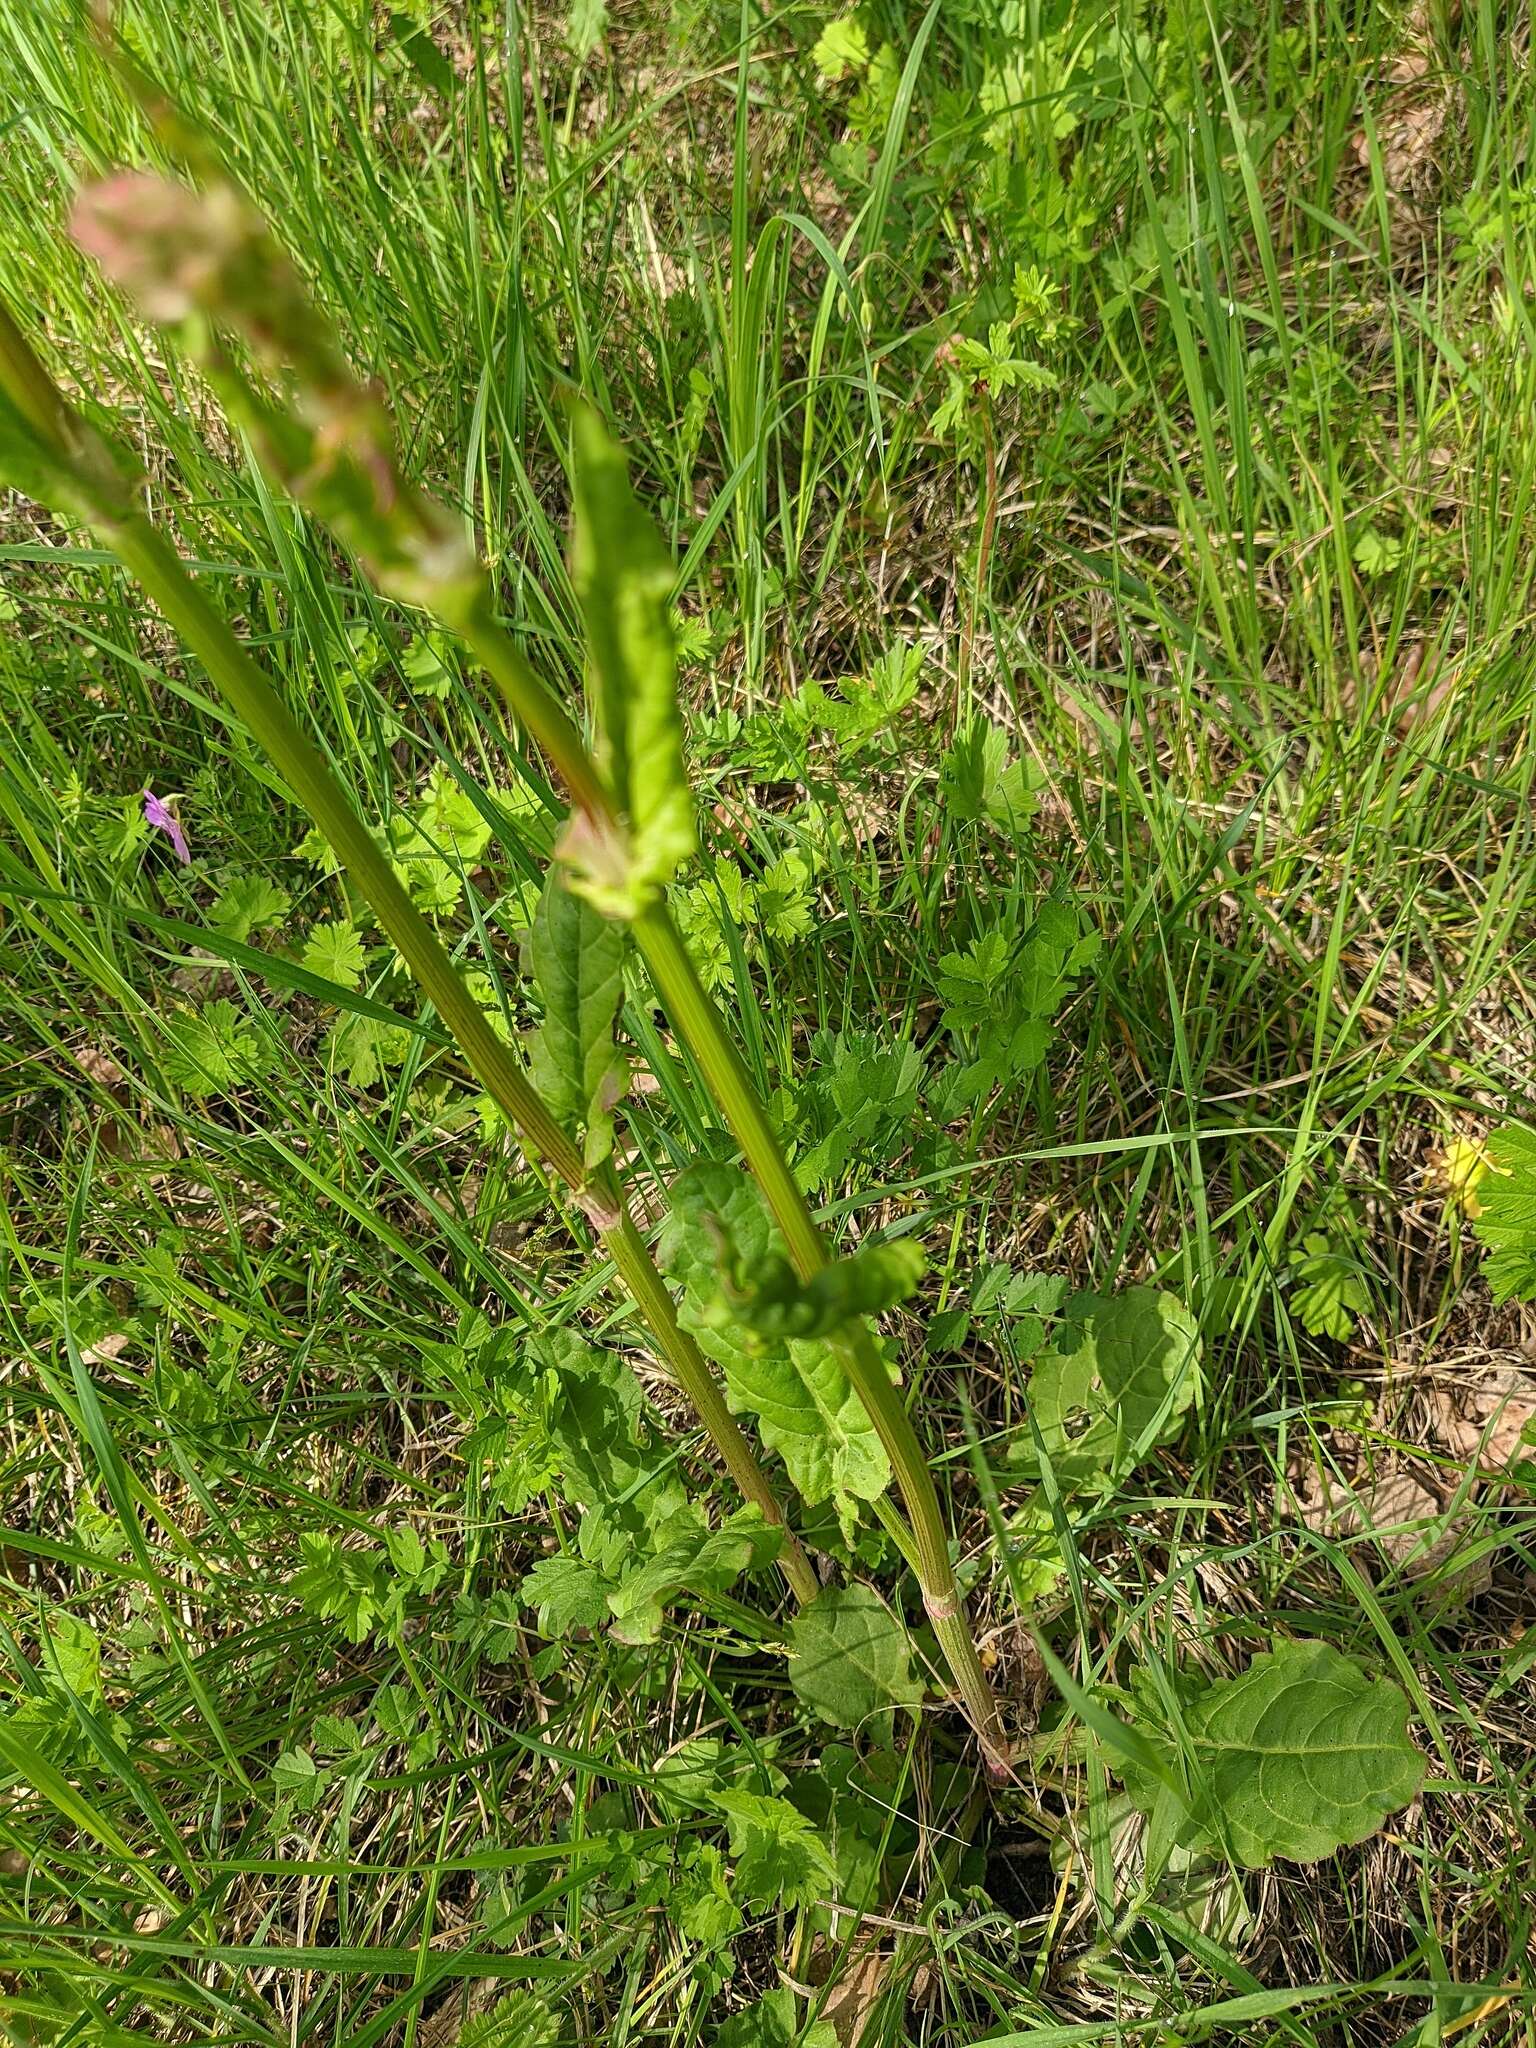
<point x="922" y="617"/>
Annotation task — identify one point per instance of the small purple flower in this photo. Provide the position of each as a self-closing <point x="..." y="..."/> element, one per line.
<point x="158" y="813"/>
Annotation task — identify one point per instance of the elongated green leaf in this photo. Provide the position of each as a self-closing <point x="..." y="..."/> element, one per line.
<point x="1301" y="1755"/>
<point x="623" y="579"/>
<point x="28" y="465"/>
<point x="850" y="1662"/>
<point x="805" y="1407"/>
<point x="276" y="971"/>
<point x="26" y="1762"/>
<point x="577" y="960"/>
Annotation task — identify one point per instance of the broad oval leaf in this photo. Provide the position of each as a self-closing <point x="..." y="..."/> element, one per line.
<point x="850" y="1661"/>
<point x="1118" y="1381"/>
<point x="1301" y="1755"/>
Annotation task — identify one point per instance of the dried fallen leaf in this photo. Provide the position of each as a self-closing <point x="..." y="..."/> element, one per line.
<point x="1413" y="113"/>
<point x="105" y="1349"/>
<point x="1419" y="686"/>
<point x="1388" y="1506"/>
<point x="1488" y="1418"/>
<point x="856" y="1978"/>
<point x="101" y="1068"/>
<point x="1404" y="1520"/>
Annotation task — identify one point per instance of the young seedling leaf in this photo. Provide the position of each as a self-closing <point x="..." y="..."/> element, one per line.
<point x="850" y="1661"/>
<point x="779" y="1854"/>
<point x="568" y="1593"/>
<point x="772" y="2023"/>
<point x="1332" y="1290"/>
<point x="595" y="1419"/>
<point x="1118" y="1381"/>
<point x="805" y="1407"/>
<point x="1301" y="1755"/>
<point x="577" y="961"/>
<point x="694" y="1561"/>
<point x="623" y="578"/>
<point x="1506" y="1214"/>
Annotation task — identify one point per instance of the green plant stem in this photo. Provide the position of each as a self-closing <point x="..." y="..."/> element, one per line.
<point x="154" y="563"/>
<point x="529" y="700"/>
<point x="691" y="1009"/>
<point x="926" y="1545"/>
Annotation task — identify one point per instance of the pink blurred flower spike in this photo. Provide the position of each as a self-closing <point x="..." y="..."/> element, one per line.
<point x="158" y="813"/>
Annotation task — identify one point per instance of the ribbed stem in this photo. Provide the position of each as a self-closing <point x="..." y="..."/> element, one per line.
<point x="700" y="1023"/>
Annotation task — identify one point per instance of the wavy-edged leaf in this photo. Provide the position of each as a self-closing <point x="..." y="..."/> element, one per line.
<point x="778" y="1853"/>
<point x="1301" y="1755"/>
<point x="595" y="1418"/>
<point x="773" y="2022"/>
<point x="623" y="578"/>
<point x="805" y="1407"/>
<point x="576" y="957"/>
<point x="1506" y="1214"/>
<point x="568" y="1593"/>
<point x="1118" y="1381"/>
